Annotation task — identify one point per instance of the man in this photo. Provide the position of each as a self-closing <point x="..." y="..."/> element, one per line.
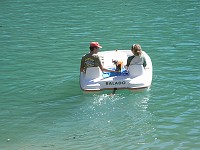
<point x="92" y="59"/>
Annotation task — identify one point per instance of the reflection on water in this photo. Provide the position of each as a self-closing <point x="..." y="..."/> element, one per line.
<point x="102" y="99"/>
<point x="144" y="103"/>
<point x="122" y="117"/>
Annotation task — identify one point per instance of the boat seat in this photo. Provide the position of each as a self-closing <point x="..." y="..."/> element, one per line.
<point x="136" y="70"/>
<point x="93" y="73"/>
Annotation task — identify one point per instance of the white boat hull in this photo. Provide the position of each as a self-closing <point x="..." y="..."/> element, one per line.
<point x="94" y="82"/>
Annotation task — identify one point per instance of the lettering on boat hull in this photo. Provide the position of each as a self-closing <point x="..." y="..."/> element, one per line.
<point x="116" y="83"/>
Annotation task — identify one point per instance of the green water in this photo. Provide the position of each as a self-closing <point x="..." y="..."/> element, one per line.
<point x="41" y="104"/>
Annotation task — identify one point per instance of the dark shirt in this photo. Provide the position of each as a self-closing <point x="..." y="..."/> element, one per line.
<point x="90" y="60"/>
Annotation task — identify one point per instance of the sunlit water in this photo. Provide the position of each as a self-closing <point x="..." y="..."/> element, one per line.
<point x="42" y="106"/>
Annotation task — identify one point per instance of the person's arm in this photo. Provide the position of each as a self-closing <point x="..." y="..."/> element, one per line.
<point x="128" y="63"/>
<point x="106" y="70"/>
<point x="126" y="67"/>
<point x="144" y="62"/>
<point x="82" y="68"/>
<point x="101" y="66"/>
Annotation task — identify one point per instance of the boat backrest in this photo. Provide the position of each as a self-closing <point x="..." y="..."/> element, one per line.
<point x="93" y="73"/>
<point x="136" y="70"/>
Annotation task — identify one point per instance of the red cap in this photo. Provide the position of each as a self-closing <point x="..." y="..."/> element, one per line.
<point x="95" y="44"/>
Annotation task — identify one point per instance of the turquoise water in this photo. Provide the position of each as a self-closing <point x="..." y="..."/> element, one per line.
<point x="42" y="106"/>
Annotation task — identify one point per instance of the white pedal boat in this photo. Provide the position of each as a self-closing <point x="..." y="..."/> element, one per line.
<point x="135" y="78"/>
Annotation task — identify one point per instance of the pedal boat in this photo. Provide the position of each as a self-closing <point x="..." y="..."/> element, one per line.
<point x="137" y="77"/>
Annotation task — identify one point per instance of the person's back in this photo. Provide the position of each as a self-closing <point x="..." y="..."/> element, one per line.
<point x="92" y="59"/>
<point x="137" y="58"/>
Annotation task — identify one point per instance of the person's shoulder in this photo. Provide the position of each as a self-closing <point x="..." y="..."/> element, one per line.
<point x="130" y="57"/>
<point x="142" y="55"/>
<point x="95" y="55"/>
<point x="85" y="55"/>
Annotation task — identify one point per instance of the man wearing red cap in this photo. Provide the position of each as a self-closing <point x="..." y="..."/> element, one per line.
<point x="92" y="59"/>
